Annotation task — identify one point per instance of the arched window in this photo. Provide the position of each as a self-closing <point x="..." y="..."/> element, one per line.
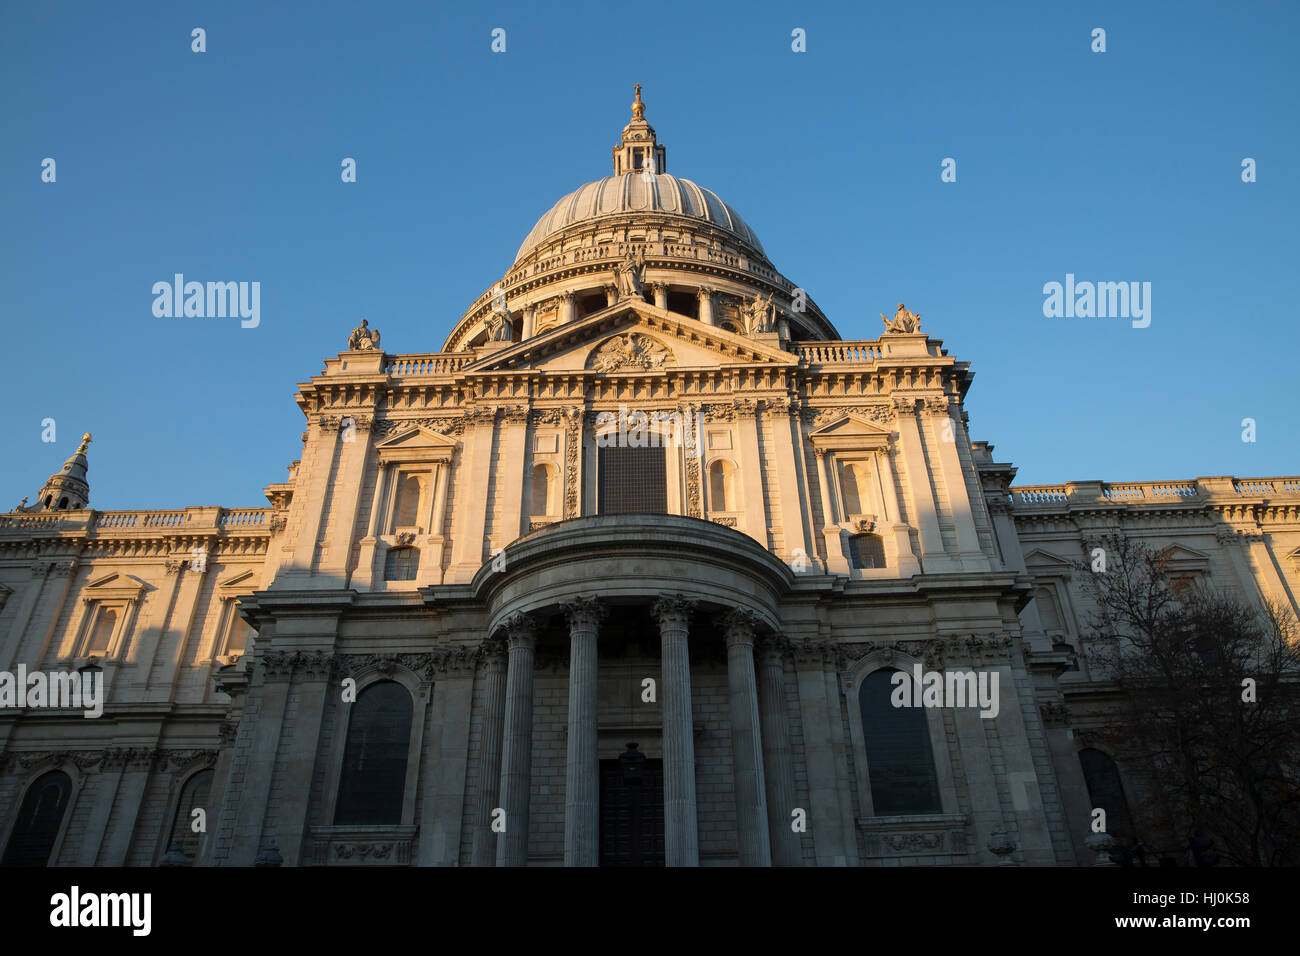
<point x="1048" y="613"/>
<point x="854" y="484"/>
<point x="722" y="491"/>
<point x="899" y="759"/>
<point x="39" y="818"/>
<point x="866" y="551"/>
<point x="401" y="564"/>
<point x="105" y="624"/>
<point x="372" y="785"/>
<point x="63" y="502"/>
<point x="194" y="796"/>
<point x="543" y="482"/>
<point x="408" y="503"/>
<point x="1106" y="791"/>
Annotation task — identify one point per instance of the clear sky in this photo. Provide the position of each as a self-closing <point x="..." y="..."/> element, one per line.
<point x="225" y="166"/>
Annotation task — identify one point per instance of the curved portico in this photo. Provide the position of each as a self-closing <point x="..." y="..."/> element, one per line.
<point x="680" y="569"/>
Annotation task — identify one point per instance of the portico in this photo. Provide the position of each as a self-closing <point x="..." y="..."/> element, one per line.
<point x="580" y="582"/>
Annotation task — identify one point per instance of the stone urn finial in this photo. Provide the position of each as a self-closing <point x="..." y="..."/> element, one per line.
<point x="1101" y="844"/>
<point x="174" y="856"/>
<point x="1002" y="846"/>
<point x="269" y="855"/>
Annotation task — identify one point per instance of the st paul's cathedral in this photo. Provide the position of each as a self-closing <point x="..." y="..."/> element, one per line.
<point x="626" y="574"/>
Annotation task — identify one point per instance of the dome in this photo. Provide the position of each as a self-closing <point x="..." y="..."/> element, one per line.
<point x="638" y="192"/>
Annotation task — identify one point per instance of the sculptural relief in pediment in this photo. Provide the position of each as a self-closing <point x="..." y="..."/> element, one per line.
<point x="630" y="351"/>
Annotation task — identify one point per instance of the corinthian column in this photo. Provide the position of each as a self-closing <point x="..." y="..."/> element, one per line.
<point x="777" y="763"/>
<point x="582" y="776"/>
<point x="746" y="744"/>
<point x="517" y="745"/>
<point x="493" y="662"/>
<point x="681" y="828"/>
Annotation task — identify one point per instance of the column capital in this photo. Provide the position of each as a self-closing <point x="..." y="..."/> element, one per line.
<point x="521" y="630"/>
<point x="739" y="625"/>
<point x="585" y="612"/>
<point x="492" y="653"/>
<point x="811" y="654"/>
<point x="772" y="647"/>
<point x="673" y="610"/>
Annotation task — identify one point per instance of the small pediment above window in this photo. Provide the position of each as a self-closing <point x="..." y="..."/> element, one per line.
<point x="850" y="432"/>
<point x="416" y="444"/>
<point x="1043" y="563"/>
<point x="114" y="587"/>
<point x="242" y="582"/>
<point x="1184" y="561"/>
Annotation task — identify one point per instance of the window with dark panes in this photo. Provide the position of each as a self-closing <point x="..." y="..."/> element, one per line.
<point x="1106" y="791"/>
<point x="408" y="505"/>
<point x="632" y="480"/>
<point x="373" y="782"/>
<point x="103" y="633"/>
<point x="401" y="564"/>
<point x="193" y="797"/>
<point x="899" y="759"/>
<point x="39" y="818"/>
<point x="866" y="551"/>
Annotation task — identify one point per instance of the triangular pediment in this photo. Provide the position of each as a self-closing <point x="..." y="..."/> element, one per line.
<point x="416" y="438"/>
<point x="114" y="586"/>
<point x="1181" y="558"/>
<point x="849" y="425"/>
<point x="631" y="337"/>
<point x="115" y="580"/>
<point x="1045" y="561"/>
<point x="244" y="579"/>
<point x="850" y="432"/>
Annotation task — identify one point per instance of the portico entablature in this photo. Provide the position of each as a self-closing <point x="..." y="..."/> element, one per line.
<point x="634" y="557"/>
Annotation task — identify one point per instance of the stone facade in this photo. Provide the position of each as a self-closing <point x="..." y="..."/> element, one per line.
<point x="823" y="514"/>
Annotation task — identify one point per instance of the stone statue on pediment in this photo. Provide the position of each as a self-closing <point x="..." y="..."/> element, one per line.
<point x="631" y="274"/>
<point x="757" y="314"/>
<point x="903" y="321"/>
<point x="363" y="338"/>
<point x="499" y="328"/>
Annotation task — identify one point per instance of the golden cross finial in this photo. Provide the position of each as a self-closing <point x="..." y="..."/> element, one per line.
<point x="85" y="440"/>
<point x="638" y="108"/>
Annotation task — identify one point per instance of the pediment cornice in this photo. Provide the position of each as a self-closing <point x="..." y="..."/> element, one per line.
<point x="850" y="431"/>
<point x="667" y="328"/>
<point x="414" y="443"/>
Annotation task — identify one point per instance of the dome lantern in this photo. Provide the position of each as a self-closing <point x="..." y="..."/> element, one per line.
<point x="639" y="148"/>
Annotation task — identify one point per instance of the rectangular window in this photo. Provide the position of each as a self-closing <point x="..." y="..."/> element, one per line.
<point x="101" y="637"/>
<point x="632" y="481"/>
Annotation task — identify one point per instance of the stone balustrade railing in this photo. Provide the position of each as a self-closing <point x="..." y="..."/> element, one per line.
<point x="835" y="353"/>
<point x="1040" y="495"/>
<point x="1155" y="492"/>
<point x="428" y="363"/>
<point x="1272" y="487"/>
<point x="243" y="517"/>
<point x="161" y="521"/>
<point x="1150" y="491"/>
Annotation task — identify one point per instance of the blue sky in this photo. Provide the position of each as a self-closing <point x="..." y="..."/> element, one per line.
<point x="1115" y="166"/>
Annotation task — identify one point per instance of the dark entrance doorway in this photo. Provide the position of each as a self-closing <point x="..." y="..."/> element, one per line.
<point x="632" y="813"/>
